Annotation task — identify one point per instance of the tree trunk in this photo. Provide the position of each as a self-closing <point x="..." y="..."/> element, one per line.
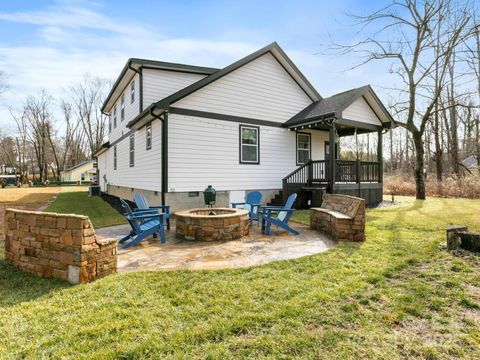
<point x="419" y="164"/>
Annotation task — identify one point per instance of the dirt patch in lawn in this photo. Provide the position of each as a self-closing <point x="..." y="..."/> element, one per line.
<point x="26" y="199"/>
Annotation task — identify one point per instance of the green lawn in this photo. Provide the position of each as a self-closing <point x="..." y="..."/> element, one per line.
<point x="398" y="295"/>
<point x="77" y="202"/>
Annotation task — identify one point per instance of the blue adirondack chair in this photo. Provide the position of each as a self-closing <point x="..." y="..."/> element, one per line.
<point x="281" y="219"/>
<point x="142" y="204"/>
<point x="144" y="224"/>
<point x="252" y="204"/>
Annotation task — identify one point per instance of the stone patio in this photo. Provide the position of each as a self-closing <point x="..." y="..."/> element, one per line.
<point x="254" y="249"/>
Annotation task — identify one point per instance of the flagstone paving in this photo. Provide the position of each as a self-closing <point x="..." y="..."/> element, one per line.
<point x="254" y="249"/>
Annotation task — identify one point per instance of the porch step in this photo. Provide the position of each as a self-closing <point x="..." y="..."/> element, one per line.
<point x="277" y="200"/>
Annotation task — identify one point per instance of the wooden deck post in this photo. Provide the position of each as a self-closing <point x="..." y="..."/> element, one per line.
<point x="331" y="160"/>
<point x="380" y="156"/>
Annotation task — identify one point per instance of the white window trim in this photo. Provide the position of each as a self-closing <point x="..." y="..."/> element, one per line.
<point x="257" y="129"/>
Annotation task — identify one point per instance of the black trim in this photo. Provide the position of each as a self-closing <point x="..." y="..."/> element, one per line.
<point x="296" y="146"/>
<point x="164" y="156"/>
<point x="131" y="149"/>
<point x="115" y="157"/>
<point x="158" y="65"/>
<point x="240" y="126"/>
<point x="225" y="117"/>
<point x="140" y="88"/>
<point x="132" y="99"/>
<point x="165" y="103"/>
<point x="149" y="125"/>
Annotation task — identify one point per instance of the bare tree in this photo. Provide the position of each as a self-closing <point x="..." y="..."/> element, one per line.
<point x="412" y="30"/>
<point x="37" y="112"/>
<point x="87" y="100"/>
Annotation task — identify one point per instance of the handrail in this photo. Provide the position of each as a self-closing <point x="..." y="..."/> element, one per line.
<point x="297" y="170"/>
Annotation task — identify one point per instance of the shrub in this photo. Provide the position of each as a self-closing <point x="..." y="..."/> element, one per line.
<point x="462" y="187"/>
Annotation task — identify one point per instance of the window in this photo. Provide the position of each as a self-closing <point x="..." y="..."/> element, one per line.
<point x="132" y="150"/>
<point x="122" y="108"/>
<point x="115" y="116"/>
<point x="148" y="134"/>
<point x="132" y="91"/>
<point x="110" y="124"/>
<point x="303" y="148"/>
<point x="249" y="144"/>
<point x="115" y="157"/>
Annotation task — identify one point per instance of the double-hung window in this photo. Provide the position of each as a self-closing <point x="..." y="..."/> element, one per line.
<point x="303" y="148"/>
<point x="115" y="116"/>
<point x="249" y="144"/>
<point x="132" y="150"/>
<point x="132" y="92"/>
<point x="122" y="108"/>
<point x="148" y="136"/>
<point x="115" y="157"/>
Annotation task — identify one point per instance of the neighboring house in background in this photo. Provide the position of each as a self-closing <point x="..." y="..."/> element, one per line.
<point x="257" y="124"/>
<point x="84" y="171"/>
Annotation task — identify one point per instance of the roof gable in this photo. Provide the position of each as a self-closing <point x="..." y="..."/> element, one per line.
<point x="335" y="105"/>
<point x="134" y="64"/>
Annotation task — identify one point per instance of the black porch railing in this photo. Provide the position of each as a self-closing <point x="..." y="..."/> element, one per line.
<point x="316" y="173"/>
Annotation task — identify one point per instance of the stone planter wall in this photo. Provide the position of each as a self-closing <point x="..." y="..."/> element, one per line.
<point x="62" y="246"/>
<point x="341" y="216"/>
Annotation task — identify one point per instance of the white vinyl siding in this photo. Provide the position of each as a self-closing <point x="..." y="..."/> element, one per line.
<point x="261" y="89"/>
<point x="205" y="151"/>
<point x="158" y="84"/>
<point x="131" y="111"/>
<point x="360" y="111"/>
<point x="147" y="173"/>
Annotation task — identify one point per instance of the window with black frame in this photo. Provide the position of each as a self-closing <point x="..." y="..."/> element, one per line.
<point x="249" y="144"/>
<point x="304" y="148"/>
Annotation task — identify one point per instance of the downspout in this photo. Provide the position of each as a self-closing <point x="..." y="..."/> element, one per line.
<point x="164" y="120"/>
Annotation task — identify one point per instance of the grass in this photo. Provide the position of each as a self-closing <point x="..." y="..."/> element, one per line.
<point x="77" y="202"/>
<point x="398" y="295"/>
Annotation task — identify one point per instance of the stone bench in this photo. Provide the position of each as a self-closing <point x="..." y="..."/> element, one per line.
<point x="341" y="216"/>
<point x="62" y="246"/>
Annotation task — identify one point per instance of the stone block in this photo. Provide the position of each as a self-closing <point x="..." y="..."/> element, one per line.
<point x="74" y="223"/>
<point x="61" y="223"/>
<point x="60" y="274"/>
<point x="73" y="274"/>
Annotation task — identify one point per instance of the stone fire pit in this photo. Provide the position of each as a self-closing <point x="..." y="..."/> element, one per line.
<point x="211" y="224"/>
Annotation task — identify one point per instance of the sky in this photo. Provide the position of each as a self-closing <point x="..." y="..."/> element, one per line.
<point x="51" y="44"/>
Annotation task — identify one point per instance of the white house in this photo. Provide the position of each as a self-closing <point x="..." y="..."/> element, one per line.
<point x="84" y="171"/>
<point x="257" y="124"/>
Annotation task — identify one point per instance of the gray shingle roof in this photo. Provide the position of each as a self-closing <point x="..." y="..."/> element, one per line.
<point x="327" y="107"/>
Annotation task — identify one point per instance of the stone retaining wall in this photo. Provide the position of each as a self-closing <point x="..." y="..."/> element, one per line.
<point x="349" y="227"/>
<point x="62" y="246"/>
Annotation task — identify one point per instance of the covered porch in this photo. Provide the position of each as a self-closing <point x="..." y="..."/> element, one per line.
<point x="352" y="113"/>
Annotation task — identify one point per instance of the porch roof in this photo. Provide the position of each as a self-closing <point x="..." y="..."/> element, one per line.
<point x="333" y="107"/>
